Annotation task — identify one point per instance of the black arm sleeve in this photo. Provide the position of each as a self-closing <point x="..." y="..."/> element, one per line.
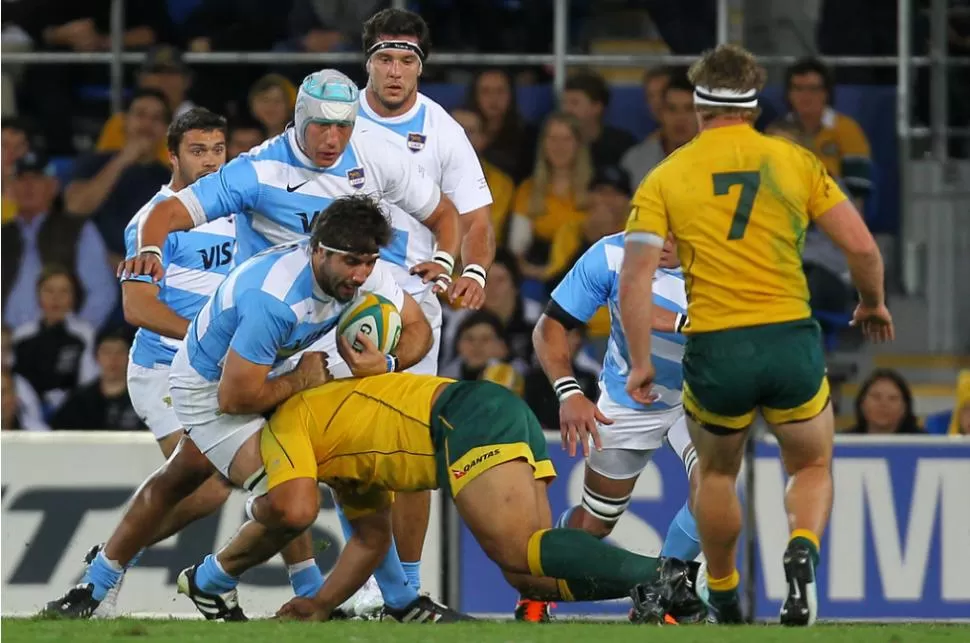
<point x="557" y="312"/>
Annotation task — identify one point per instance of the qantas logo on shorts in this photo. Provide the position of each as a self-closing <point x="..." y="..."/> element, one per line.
<point x="461" y="473"/>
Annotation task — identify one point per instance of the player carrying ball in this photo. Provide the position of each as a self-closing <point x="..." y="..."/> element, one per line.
<point x="739" y="203"/>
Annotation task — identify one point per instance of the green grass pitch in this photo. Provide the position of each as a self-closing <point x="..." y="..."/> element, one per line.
<point x="170" y="631"/>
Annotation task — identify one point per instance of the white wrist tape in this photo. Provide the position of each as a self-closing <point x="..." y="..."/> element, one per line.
<point x="476" y="273"/>
<point x="566" y="387"/>
<point x="152" y="250"/>
<point x="445" y="260"/>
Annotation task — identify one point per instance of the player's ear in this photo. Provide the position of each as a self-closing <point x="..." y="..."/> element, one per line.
<point x="367" y="66"/>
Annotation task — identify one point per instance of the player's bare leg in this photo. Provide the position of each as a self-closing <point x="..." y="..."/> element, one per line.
<point x="410" y="516"/>
<point x="720" y="453"/>
<point x="806" y="450"/>
<point x="604" y="501"/>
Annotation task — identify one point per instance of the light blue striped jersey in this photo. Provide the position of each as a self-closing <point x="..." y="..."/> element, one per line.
<point x="594" y="281"/>
<point x="195" y="261"/>
<point x="270" y="308"/>
<point x="278" y="191"/>
<point x="436" y="141"/>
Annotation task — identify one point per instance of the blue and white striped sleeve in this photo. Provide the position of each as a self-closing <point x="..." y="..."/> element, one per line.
<point x="233" y="189"/>
<point x="264" y="324"/>
<point x="586" y="287"/>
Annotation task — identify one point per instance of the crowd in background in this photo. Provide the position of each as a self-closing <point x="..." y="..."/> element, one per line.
<point x="72" y="180"/>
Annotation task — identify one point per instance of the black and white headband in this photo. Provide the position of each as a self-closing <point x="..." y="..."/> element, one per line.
<point x="717" y="97"/>
<point x="402" y="45"/>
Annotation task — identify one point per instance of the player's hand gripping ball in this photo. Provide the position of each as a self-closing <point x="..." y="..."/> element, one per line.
<point x="374" y="316"/>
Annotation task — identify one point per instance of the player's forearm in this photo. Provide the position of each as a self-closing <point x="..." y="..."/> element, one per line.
<point x="444" y="224"/>
<point x="868" y="275"/>
<point x="356" y="563"/>
<point x="552" y="349"/>
<point x="416" y="340"/>
<point x="477" y="238"/>
<point x="168" y="216"/>
<point x="274" y="391"/>
<point x="636" y="302"/>
<point x="151" y="314"/>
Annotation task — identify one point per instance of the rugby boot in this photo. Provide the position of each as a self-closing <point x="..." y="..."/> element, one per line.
<point x="670" y="598"/>
<point x="801" y="605"/>
<point x="424" y="610"/>
<point x="722" y="614"/>
<point x="531" y="611"/>
<point x="77" y="603"/>
<point x="109" y="603"/>
<point x="214" y="607"/>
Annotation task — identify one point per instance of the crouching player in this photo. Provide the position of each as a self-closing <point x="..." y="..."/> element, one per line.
<point x="625" y="433"/>
<point x="474" y="438"/>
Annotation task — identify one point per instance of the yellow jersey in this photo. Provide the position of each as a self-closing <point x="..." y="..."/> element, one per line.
<point x="843" y="148"/>
<point x="363" y="437"/>
<point x="738" y="203"/>
<point x="558" y="211"/>
<point x="502" y="188"/>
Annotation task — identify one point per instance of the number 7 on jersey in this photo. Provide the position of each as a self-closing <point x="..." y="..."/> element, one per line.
<point x="749" y="182"/>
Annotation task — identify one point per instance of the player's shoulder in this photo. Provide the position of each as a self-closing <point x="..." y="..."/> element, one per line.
<point x="606" y="253"/>
<point x="143" y="211"/>
<point x="277" y="148"/>
<point x="437" y="117"/>
<point x="273" y="274"/>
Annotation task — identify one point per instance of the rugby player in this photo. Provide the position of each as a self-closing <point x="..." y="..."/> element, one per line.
<point x="397" y="43"/>
<point x="280" y="186"/>
<point x="274" y="305"/>
<point x="201" y="259"/>
<point x="476" y="439"/>
<point x="625" y="432"/>
<point x="739" y="203"/>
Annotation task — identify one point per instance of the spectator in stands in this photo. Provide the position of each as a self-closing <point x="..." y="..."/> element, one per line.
<point x="554" y="196"/>
<point x="245" y="133"/>
<point x="104" y="403"/>
<point x="55" y="353"/>
<point x="110" y="187"/>
<point x="14" y="144"/>
<point x="884" y="405"/>
<point x="236" y="25"/>
<point x="478" y="343"/>
<point x="499" y="183"/>
<point x="539" y="394"/>
<point x="329" y="25"/>
<point x="835" y="138"/>
<point x="21" y="406"/>
<point x="586" y="97"/>
<point x="42" y="235"/>
<point x="271" y="101"/>
<point x="69" y="25"/>
<point x="655" y="81"/>
<point x="960" y="419"/>
<point x="163" y="71"/>
<point x="509" y="139"/>
<point x="678" y="125"/>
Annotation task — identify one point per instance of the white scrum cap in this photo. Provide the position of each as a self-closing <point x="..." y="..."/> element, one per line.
<point x="325" y="96"/>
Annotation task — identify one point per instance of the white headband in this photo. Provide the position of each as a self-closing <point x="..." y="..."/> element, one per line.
<point x="340" y="251"/>
<point x="716" y="97"/>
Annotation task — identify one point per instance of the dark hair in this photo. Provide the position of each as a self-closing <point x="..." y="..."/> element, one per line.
<point x="52" y="270"/>
<point x="811" y="66"/>
<point x="19" y="123"/>
<point x="652" y="73"/>
<point x="909" y="423"/>
<point x="396" y="22"/>
<point x="679" y="82"/>
<point x="478" y="318"/>
<point x="116" y="333"/>
<point x="513" y="126"/>
<point x="507" y="260"/>
<point x="591" y="84"/>
<point x="353" y="223"/>
<point x="197" y="118"/>
<point x="144" y="92"/>
<point x="245" y="121"/>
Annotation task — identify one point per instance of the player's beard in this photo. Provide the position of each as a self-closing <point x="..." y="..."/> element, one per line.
<point x="343" y="290"/>
<point x="397" y="103"/>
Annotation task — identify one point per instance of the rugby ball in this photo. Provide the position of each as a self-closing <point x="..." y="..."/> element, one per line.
<point x="374" y="316"/>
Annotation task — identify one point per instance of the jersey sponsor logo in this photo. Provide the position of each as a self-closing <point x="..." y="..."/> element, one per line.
<point x="217" y="255"/>
<point x="294" y="188"/>
<point x="416" y="141"/>
<point x="461" y="473"/>
<point x="356" y="177"/>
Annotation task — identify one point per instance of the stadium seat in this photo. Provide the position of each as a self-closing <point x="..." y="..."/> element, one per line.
<point x="835" y="322"/>
<point x="938" y="423"/>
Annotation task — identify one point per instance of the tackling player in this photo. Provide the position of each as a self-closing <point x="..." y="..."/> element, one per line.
<point x="272" y="306"/>
<point x="397" y="43"/>
<point x="738" y="204"/>
<point x="199" y="261"/>
<point x="476" y="439"/>
<point x="625" y="432"/>
<point x="280" y="187"/>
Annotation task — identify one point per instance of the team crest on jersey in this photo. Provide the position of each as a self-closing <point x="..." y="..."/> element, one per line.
<point x="416" y="141"/>
<point x="356" y="177"/>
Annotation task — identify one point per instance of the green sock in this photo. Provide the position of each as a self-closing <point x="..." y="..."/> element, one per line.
<point x="589" y="569"/>
<point x="812" y="547"/>
<point x="723" y="591"/>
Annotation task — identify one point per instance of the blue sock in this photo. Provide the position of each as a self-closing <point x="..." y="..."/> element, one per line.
<point x="103" y="574"/>
<point x="135" y="559"/>
<point x="563" y="521"/>
<point x="212" y="579"/>
<point x="305" y="578"/>
<point x="413" y="573"/>
<point x="682" y="540"/>
<point x="398" y="593"/>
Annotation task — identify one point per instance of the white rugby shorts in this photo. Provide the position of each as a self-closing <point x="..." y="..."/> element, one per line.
<point x="427" y="366"/>
<point x="196" y="402"/>
<point x="635" y="429"/>
<point x="148" y="390"/>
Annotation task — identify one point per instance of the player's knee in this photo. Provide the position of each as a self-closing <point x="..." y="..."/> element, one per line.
<point x="291" y="508"/>
<point x="596" y="526"/>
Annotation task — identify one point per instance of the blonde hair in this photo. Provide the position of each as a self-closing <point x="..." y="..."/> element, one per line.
<point x="582" y="172"/>
<point x="728" y="67"/>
